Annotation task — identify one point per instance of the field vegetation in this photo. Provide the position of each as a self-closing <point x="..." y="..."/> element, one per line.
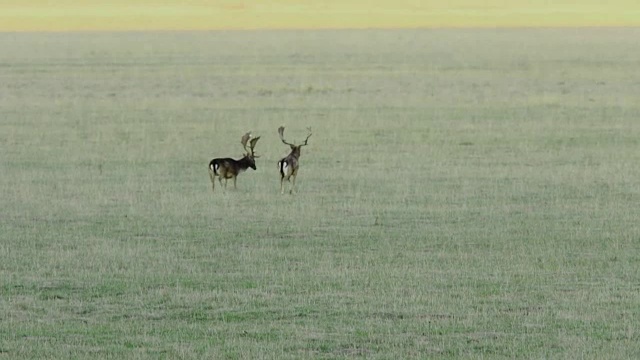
<point x="163" y="15"/>
<point x="466" y="193"/>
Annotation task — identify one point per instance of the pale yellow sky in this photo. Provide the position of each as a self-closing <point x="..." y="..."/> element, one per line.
<point x="71" y="15"/>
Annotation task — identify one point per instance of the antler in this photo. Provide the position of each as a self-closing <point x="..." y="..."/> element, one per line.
<point x="308" y="136"/>
<point x="281" y="133"/>
<point x="244" y="140"/>
<point x="252" y="145"/>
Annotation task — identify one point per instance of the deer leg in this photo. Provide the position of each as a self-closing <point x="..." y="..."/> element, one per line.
<point x="234" y="182"/>
<point x="282" y="185"/>
<point x="293" y="183"/>
<point x="213" y="180"/>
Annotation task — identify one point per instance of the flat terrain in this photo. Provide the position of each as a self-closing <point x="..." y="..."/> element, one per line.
<point x="127" y="15"/>
<point x="465" y="193"/>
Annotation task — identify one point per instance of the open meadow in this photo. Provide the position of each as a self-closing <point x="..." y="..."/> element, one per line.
<point x="465" y="194"/>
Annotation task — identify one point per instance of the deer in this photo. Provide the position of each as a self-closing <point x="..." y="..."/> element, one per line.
<point x="229" y="168"/>
<point x="289" y="165"/>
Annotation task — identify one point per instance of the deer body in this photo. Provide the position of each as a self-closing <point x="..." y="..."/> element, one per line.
<point x="289" y="165"/>
<point x="228" y="168"/>
<point x="289" y="169"/>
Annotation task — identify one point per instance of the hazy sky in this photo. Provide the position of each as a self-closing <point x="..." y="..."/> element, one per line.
<point x="69" y="15"/>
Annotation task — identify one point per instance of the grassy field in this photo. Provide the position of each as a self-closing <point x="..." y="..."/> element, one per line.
<point x="466" y="193"/>
<point x="127" y="15"/>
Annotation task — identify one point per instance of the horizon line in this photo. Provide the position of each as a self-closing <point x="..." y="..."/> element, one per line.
<point x="354" y="28"/>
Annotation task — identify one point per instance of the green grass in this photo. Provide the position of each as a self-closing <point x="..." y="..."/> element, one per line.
<point x="465" y="193"/>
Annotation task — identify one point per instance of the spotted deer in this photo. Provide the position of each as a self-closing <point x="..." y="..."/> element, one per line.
<point x="289" y="165"/>
<point x="228" y="168"/>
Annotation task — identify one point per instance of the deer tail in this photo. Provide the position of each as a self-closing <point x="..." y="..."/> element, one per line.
<point x="213" y="167"/>
<point x="282" y="165"/>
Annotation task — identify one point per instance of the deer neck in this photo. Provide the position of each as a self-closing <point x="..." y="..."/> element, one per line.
<point x="295" y="152"/>
<point x="244" y="163"/>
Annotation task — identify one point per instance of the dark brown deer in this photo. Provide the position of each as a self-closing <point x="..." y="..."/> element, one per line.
<point x="289" y="165"/>
<point x="229" y="168"/>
